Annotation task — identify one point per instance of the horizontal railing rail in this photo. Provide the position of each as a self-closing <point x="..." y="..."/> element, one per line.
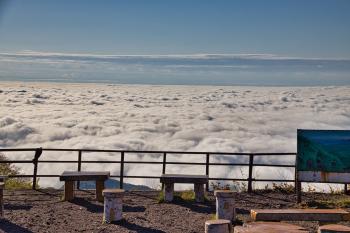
<point x="38" y="154"/>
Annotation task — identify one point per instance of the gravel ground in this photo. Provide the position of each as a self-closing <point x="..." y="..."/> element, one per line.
<point x="43" y="211"/>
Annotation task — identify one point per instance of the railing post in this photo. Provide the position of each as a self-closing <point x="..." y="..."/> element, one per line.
<point x="250" y="173"/>
<point x="345" y="188"/>
<point x="207" y="170"/>
<point x="164" y="166"/>
<point x="79" y="167"/>
<point x="38" y="152"/>
<point x="121" y="170"/>
<point x="295" y="180"/>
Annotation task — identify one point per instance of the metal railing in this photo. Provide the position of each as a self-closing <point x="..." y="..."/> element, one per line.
<point x="123" y="154"/>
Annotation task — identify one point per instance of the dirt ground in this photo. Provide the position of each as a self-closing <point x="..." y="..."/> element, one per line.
<point x="43" y="211"/>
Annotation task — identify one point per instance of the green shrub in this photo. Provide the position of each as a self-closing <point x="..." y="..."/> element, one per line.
<point x="9" y="169"/>
<point x="186" y="196"/>
<point x="340" y="202"/>
<point x="283" y="187"/>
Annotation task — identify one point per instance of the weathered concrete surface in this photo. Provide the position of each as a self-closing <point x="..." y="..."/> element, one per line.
<point x="333" y="228"/>
<point x="323" y="215"/>
<point x="225" y="205"/>
<point x="113" y="205"/>
<point x="169" y="192"/>
<point x="199" y="192"/>
<point x="84" y="176"/>
<point x="218" y="226"/>
<point x="269" y="227"/>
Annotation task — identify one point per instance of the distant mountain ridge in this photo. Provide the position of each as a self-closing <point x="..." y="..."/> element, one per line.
<point x="110" y="183"/>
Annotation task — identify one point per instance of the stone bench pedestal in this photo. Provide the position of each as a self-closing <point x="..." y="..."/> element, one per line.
<point x="199" y="192"/>
<point x="225" y="205"/>
<point x="218" y="226"/>
<point x="113" y="205"/>
<point x="168" y="192"/>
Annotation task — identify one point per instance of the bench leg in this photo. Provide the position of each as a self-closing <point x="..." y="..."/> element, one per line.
<point x="199" y="192"/>
<point x="1" y="203"/>
<point x="100" y="185"/>
<point x="68" y="190"/>
<point x="168" y="192"/>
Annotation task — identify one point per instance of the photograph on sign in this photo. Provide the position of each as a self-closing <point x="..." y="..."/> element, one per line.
<point x="323" y="156"/>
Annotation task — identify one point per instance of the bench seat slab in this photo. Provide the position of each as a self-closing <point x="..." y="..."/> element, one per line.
<point x="176" y="178"/>
<point x="84" y="176"/>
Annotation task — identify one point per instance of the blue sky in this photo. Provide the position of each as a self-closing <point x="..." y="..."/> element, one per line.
<point x="295" y="28"/>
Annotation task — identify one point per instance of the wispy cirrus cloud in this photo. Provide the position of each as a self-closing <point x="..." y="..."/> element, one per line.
<point x="227" y="69"/>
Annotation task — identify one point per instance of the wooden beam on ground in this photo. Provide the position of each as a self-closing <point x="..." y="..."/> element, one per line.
<point x="322" y="215"/>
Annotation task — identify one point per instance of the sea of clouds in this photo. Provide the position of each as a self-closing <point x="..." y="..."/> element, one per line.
<point x="148" y="117"/>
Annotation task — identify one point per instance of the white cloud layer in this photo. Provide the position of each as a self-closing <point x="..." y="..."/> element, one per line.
<point x="145" y="117"/>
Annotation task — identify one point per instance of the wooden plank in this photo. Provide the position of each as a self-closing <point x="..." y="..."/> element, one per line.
<point x="178" y="178"/>
<point x="84" y="176"/>
<point x="324" y="215"/>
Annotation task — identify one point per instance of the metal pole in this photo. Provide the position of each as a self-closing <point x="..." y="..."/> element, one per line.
<point x="207" y="170"/>
<point x="79" y="167"/>
<point x="345" y="188"/>
<point x="38" y="152"/>
<point x="121" y="170"/>
<point x="164" y="166"/>
<point x="250" y="173"/>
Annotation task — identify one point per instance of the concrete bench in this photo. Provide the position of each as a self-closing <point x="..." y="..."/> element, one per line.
<point x="2" y="187"/>
<point x="170" y="179"/>
<point x="322" y="215"/>
<point x="69" y="178"/>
